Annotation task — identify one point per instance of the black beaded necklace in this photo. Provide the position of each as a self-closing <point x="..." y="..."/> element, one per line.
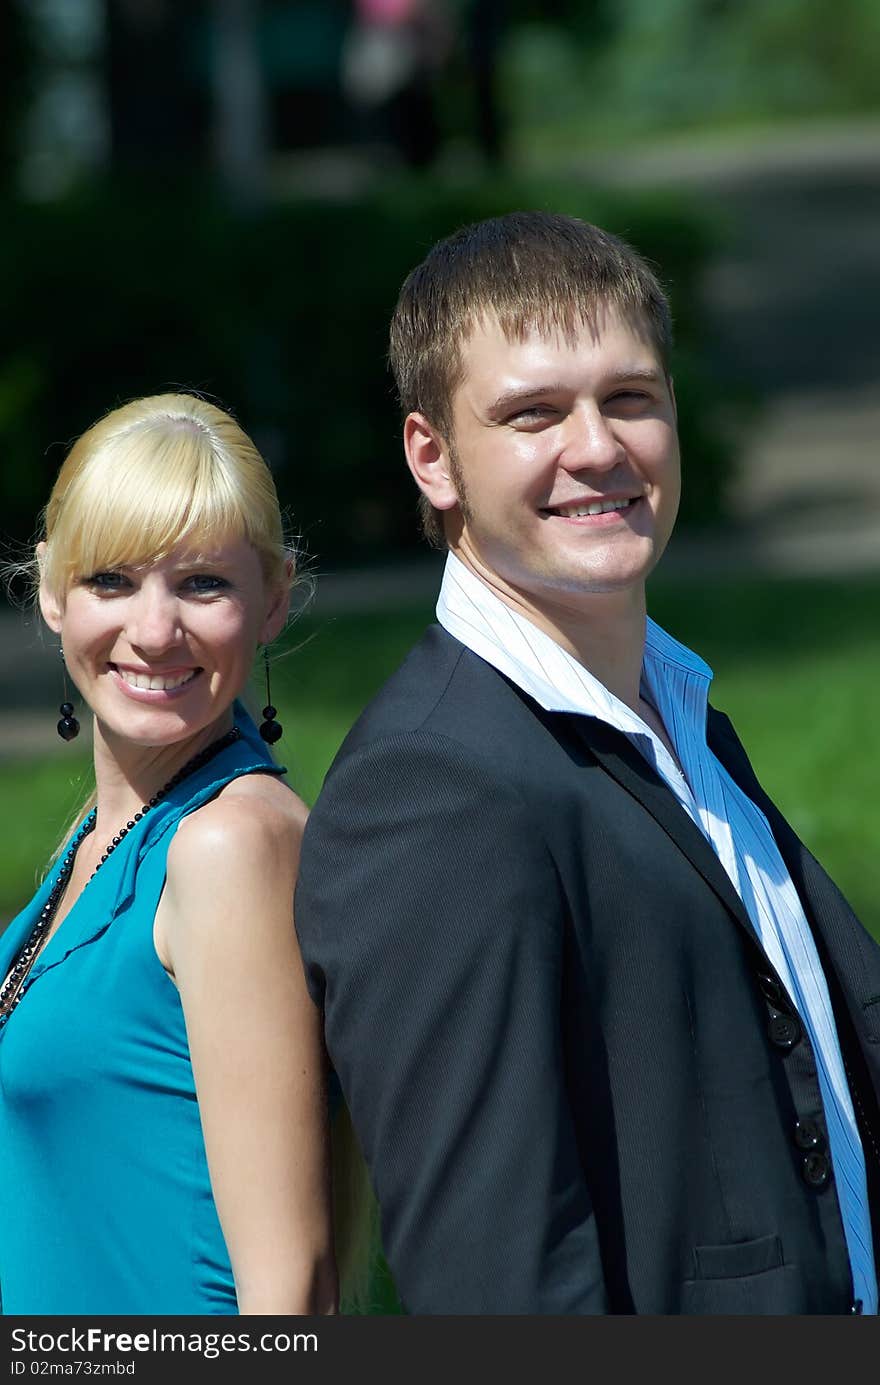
<point x="13" y="986"/>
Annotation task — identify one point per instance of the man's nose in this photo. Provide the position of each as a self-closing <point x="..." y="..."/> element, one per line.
<point x="591" y="443"/>
<point x="153" y="619"/>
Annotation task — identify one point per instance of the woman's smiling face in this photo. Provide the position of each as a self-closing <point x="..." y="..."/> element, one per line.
<point x="160" y="650"/>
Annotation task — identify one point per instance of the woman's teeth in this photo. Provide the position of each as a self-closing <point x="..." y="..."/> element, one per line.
<point x="156" y="682"/>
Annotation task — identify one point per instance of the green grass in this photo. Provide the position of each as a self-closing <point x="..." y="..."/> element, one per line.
<point x="38" y="798"/>
<point x="797" y="667"/>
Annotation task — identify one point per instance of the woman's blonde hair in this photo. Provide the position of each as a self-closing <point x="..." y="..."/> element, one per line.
<point x="151" y="474"/>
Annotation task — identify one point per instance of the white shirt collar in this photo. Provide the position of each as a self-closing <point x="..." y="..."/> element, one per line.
<point x="468" y="609"/>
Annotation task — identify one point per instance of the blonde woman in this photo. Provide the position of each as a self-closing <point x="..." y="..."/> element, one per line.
<point x="163" y="1133"/>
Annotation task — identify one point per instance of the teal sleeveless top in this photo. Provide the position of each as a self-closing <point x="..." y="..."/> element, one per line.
<point x="105" y="1199"/>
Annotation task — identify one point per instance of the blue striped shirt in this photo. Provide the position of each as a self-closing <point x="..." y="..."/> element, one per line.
<point x="676" y="682"/>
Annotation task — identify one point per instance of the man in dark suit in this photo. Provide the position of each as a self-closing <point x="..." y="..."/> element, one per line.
<point x="609" y="1035"/>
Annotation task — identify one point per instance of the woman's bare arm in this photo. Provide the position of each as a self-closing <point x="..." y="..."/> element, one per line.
<point x="225" y="932"/>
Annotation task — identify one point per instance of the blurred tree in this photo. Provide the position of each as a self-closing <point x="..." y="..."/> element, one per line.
<point x="393" y="61"/>
<point x="301" y="48"/>
<point x="690" y="62"/>
<point x="486" y="19"/>
<point x="16" y="55"/>
<point x="60" y="133"/>
<point x="240" y="115"/>
<point x="159" y="108"/>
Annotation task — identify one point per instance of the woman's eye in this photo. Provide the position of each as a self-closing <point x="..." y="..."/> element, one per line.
<point x="204" y="583"/>
<point x="107" y="581"/>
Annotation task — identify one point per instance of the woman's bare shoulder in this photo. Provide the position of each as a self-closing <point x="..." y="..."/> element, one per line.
<point x="240" y="850"/>
<point x="258" y="811"/>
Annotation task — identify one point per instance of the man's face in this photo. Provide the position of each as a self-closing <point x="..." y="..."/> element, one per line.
<point x="565" y="461"/>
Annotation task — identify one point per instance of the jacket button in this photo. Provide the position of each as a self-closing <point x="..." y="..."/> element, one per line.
<point x="770" y="989"/>
<point x="816" y="1170"/>
<point x="784" y="1031"/>
<point x="808" y="1135"/>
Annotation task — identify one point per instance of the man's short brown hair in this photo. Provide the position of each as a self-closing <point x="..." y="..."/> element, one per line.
<point x="532" y="270"/>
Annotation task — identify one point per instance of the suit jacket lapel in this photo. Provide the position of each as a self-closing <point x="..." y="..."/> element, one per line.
<point x="819" y="895"/>
<point x="838" y="932"/>
<point x="619" y="758"/>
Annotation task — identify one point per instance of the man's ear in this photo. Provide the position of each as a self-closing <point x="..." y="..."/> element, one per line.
<point x="50" y="606"/>
<point x="427" y="456"/>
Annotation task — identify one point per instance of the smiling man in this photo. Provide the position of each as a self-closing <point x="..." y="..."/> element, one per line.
<point x="609" y="1035"/>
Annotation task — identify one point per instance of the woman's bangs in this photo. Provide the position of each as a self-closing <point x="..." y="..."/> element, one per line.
<point x="141" y="514"/>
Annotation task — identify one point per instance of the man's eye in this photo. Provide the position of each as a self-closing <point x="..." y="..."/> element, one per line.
<point x="535" y="413"/>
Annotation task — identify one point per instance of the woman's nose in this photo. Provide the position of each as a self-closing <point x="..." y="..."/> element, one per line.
<point x="153" y="623"/>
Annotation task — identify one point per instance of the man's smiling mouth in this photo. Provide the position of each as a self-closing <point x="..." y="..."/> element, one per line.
<point x="581" y="509"/>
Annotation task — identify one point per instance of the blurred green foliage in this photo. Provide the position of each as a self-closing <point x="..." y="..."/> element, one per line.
<point x="134" y="289"/>
<point x="600" y="70"/>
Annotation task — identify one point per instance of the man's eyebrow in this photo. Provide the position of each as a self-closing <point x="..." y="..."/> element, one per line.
<point x="648" y="374"/>
<point x="521" y="394"/>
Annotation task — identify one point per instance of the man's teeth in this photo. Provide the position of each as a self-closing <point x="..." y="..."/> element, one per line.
<point x="597" y="507"/>
<point x="155" y="683"/>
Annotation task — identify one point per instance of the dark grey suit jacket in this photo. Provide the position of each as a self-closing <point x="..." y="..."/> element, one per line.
<point x="578" y="1084"/>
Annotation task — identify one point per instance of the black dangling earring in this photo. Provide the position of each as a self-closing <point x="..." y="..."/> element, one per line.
<point x="270" y="729"/>
<point x="68" y="726"/>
